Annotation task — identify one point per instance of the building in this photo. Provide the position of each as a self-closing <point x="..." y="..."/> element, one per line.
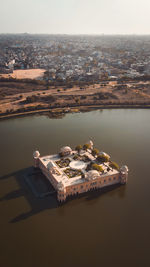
<point x="74" y="172"/>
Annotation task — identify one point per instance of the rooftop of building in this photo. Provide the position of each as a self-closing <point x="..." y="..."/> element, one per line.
<point x="72" y="169"/>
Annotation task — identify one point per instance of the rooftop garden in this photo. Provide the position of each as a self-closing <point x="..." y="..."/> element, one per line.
<point x="63" y="163"/>
<point x="83" y="158"/>
<point x="94" y="166"/>
<point x="72" y="173"/>
<point x="101" y="161"/>
<point x="84" y="147"/>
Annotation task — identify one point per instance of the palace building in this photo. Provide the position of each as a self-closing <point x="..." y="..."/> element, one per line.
<point x="73" y="172"/>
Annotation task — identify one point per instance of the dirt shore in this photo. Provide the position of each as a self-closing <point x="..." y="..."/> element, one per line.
<point x="19" y="97"/>
<point x="57" y="113"/>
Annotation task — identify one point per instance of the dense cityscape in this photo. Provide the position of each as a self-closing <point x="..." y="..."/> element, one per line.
<point x="39" y="72"/>
<point x="77" y="58"/>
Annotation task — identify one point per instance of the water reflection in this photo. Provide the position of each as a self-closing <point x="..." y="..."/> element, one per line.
<point x="36" y="205"/>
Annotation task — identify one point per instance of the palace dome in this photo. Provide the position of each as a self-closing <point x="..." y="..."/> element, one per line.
<point x="66" y="149"/>
<point x="36" y="154"/>
<point x="124" y="168"/>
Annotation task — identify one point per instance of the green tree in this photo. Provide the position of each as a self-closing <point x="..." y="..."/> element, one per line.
<point x="95" y="152"/>
<point x="97" y="167"/>
<point x="114" y="165"/>
<point x="86" y="146"/>
<point x="103" y="158"/>
<point x="78" y="148"/>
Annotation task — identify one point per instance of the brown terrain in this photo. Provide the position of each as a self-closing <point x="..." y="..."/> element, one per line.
<point x="25" y="74"/>
<point x="21" y="96"/>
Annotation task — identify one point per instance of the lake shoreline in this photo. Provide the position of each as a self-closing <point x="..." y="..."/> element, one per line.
<point x="20" y="98"/>
<point x="61" y="111"/>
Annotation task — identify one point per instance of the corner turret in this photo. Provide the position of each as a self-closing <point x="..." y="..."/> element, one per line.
<point x="36" y="156"/>
<point x="61" y="192"/>
<point x="124" y="174"/>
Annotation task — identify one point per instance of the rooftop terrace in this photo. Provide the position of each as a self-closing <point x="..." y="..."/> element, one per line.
<point x="72" y="167"/>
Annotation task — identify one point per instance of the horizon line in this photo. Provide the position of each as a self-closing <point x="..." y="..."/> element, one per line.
<point x="87" y="34"/>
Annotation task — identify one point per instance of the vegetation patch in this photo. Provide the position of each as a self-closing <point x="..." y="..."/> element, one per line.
<point x="102" y="158"/>
<point x="63" y="163"/>
<point x="82" y="158"/>
<point x="106" y="95"/>
<point x="86" y="146"/>
<point x="76" y="157"/>
<point x="97" y="167"/>
<point x="114" y="165"/>
<point x="78" y="148"/>
<point x="95" y="152"/>
<point x="72" y="173"/>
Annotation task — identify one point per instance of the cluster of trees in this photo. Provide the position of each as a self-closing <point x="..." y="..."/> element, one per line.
<point x="97" y="167"/>
<point x="95" y="152"/>
<point x="106" y="95"/>
<point x="114" y="165"/>
<point x="36" y="98"/>
<point x="78" y="148"/>
<point x="84" y="147"/>
<point x="101" y="158"/>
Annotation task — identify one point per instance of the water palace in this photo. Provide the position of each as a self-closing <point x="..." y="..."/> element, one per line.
<point x="73" y="172"/>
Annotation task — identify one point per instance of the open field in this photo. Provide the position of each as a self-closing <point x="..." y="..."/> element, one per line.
<point x="21" y="96"/>
<point x="25" y="74"/>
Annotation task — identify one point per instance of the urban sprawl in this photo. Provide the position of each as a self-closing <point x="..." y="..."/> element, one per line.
<point x="77" y="58"/>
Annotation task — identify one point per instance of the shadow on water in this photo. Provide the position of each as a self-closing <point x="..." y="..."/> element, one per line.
<point x="12" y="195"/>
<point x="38" y="204"/>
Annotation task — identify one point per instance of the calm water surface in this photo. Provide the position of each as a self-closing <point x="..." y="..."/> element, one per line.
<point x="109" y="229"/>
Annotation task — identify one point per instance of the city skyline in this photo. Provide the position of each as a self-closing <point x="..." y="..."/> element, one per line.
<point x="75" y="17"/>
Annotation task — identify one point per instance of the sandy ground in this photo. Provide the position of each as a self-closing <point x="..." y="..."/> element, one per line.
<point x="25" y="74"/>
<point x="138" y="93"/>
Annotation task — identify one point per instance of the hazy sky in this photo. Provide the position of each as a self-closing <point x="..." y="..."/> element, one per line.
<point x="75" y="16"/>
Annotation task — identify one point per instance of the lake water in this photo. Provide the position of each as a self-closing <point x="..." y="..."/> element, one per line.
<point x="98" y="229"/>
